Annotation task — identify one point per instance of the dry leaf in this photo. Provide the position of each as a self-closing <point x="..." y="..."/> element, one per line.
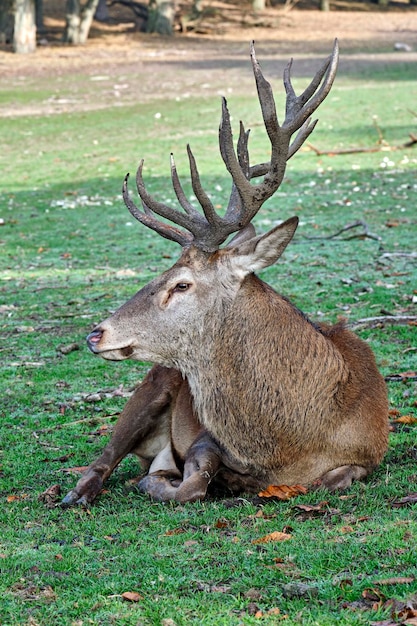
<point x="15" y="498"/>
<point x="174" y="531"/>
<point x="346" y="529"/>
<point x="406" y="419"/>
<point x="407" y="615"/>
<point x="274" y="611"/>
<point x="408" y="374"/>
<point x="221" y="523"/>
<point x="275" y="536"/>
<point x="75" y="470"/>
<point x="282" y="492"/>
<point x="50" y="495"/>
<point x="260" y="514"/>
<point x="132" y="596"/>
<point x="313" y="508"/>
<point x="411" y="498"/>
<point x="308" y="511"/>
<point x="373" y="595"/>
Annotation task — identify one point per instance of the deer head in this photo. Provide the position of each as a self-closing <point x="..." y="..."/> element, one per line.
<point x="183" y="308"/>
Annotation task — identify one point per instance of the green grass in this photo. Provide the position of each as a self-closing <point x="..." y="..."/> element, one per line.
<point x="70" y="254"/>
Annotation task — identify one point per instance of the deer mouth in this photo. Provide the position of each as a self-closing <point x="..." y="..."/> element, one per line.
<point x="111" y="353"/>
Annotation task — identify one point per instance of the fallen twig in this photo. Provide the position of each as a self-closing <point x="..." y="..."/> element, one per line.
<point x="363" y="235"/>
<point x="397" y="378"/>
<point x="92" y="418"/>
<point x="382" y="146"/>
<point x="374" y="322"/>
<point x="410" y="255"/>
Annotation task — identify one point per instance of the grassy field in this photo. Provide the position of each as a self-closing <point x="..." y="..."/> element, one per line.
<point x="70" y="254"/>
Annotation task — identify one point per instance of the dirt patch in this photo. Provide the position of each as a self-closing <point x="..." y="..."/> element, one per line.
<point x="120" y="65"/>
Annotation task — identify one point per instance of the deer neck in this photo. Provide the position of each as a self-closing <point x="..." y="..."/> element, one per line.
<point x="258" y="366"/>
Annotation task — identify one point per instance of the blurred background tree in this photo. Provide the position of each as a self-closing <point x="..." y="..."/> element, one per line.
<point x="21" y="21"/>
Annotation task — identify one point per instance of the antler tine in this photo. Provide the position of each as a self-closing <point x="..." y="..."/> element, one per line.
<point x="234" y="206"/>
<point x="146" y="218"/>
<point x="179" y="192"/>
<point x="266" y="99"/>
<point x="242" y="150"/>
<point x="247" y="191"/>
<point x="305" y="130"/>
<point x="202" y="197"/>
<point x="159" y="207"/>
<point x="300" y="108"/>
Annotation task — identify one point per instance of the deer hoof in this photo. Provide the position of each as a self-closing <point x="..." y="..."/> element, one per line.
<point x="159" y="488"/>
<point x="73" y="499"/>
<point x="193" y="488"/>
<point x="341" y="477"/>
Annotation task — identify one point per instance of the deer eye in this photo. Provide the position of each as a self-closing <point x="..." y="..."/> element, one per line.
<point x="181" y="287"/>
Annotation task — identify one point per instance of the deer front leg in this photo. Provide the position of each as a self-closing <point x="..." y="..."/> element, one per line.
<point x="143" y="428"/>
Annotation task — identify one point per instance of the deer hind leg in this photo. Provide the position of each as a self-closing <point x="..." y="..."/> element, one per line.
<point x="195" y="451"/>
<point x="143" y="428"/>
<point x="202" y="462"/>
<point x="164" y="477"/>
<point x="342" y="477"/>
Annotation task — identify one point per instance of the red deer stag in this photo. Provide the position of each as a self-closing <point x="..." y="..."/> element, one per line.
<point x="247" y="390"/>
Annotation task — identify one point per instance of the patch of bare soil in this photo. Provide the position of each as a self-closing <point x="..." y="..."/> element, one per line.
<point x="121" y="64"/>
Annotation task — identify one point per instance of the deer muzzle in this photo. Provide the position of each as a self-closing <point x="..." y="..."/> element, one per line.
<point x="94" y="339"/>
<point x="99" y="343"/>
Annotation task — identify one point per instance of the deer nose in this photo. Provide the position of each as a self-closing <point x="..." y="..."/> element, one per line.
<point x="93" y="339"/>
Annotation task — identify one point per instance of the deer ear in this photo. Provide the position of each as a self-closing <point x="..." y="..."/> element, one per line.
<point x="263" y="251"/>
<point x="243" y="235"/>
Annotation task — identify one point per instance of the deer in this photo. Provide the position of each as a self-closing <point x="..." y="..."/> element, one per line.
<point x="245" y="391"/>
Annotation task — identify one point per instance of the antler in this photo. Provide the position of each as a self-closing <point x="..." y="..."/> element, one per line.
<point x="208" y="230"/>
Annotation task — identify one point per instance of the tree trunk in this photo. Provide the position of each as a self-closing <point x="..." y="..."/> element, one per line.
<point x="40" y="27"/>
<point x="6" y="20"/>
<point x="258" y="5"/>
<point x="78" y="21"/>
<point x="24" y="36"/>
<point x="161" y="17"/>
<point x="324" y="5"/>
<point x="72" y="26"/>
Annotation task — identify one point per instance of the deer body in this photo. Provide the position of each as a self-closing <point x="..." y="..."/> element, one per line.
<point x="287" y="399"/>
<point x="266" y="396"/>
